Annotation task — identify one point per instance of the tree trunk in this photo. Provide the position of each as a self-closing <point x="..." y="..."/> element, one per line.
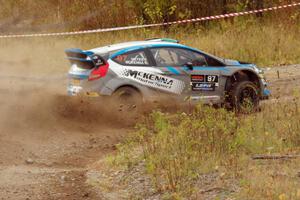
<point x="224" y="6"/>
<point x="259" y="5"/>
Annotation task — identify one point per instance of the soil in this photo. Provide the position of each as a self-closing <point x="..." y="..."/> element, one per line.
<point x="48" y="141"/>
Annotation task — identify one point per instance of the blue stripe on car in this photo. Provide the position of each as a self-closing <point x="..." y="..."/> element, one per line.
<point x="206" y="68"/>
<point x="73" y="50"/>
<point x="173" y="70"/>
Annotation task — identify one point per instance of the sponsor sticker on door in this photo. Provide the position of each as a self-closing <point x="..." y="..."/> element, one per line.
<point x="153" y="80"/>
<point x="204" y="82"/>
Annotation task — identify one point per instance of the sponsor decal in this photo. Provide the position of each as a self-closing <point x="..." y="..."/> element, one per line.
<point x="98" y="60"/>
<point x="136" y="58"/>
<point x="211" y="79"/>
<point x="137" y="61"/>
<point x="203" y="86"/>
<point x="205" y="78"/>
<point x="154" y="80"/>
<point x="197" y="78"/>
<point x="204" y="82"/>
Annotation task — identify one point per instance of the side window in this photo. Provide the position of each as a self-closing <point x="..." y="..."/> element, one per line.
<point x="177" y="57"/>
<point x="137" y="58"/>
<point x="213" y="62"/>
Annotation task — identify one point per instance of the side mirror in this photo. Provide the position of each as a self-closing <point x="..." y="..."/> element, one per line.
<point x="189" y="65"/>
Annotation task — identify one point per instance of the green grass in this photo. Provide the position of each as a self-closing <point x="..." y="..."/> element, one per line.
<point x="178" y="148"/>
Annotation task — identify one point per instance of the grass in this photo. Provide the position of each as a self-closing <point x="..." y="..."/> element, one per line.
<point x="270" y="180"/>
<point x="178" y="148"/>
<point x="266" y="44"/>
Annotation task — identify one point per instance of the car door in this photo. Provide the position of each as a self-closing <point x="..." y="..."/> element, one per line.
<point x="201" y="80"/>
<point x="140" y="70"/>
<point x="166" y="59"/>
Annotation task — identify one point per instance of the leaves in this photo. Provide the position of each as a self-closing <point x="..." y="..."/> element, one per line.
<point x="92" y="14"/>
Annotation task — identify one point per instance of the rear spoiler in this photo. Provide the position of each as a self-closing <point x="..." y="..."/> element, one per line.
<point x="84" y="59"/>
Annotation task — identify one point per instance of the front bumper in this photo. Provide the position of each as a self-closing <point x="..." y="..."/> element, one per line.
<point x="266" y="93"/>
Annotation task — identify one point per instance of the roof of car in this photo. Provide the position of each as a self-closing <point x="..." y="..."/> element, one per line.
<point x="120" y="46"/>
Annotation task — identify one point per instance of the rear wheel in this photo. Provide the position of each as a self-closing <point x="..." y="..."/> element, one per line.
<point x="244" y="97"/>
<point x="128" y="97"/>
<point x="128" y="103"/>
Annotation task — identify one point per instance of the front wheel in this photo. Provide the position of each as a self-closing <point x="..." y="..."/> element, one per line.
<point x="244" y="97"/>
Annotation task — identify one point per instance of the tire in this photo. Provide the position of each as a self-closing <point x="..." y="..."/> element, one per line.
<point x="128" y="100"/>
<point x="244" y="97"/>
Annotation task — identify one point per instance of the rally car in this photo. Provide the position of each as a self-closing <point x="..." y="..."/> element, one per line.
<point x="147" y="70"/>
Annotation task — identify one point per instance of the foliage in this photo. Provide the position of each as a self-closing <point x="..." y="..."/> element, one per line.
<point x="247" y="42"/>
<point x="174" y="146"/>
<point x="178" y="148"/>
<point x="62" y="15"/>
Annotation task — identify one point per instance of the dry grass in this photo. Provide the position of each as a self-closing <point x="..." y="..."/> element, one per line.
<point x="178" y="148"/>
<point x="270" y="180"/>
<point x="263" y="44"/>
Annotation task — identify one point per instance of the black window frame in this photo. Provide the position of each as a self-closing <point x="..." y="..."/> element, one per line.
<point x="149" y="58"/>
<point x="203" y="54"/>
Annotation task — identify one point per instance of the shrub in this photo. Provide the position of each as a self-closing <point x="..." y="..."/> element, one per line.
<point x="178" y="148"/>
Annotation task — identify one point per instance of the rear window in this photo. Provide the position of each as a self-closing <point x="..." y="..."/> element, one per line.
<point x="137" y="58"/>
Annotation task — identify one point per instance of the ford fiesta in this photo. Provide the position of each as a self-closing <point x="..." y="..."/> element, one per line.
<point x="147" y="70"/>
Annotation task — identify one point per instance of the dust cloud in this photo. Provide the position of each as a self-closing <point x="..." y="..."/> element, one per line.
<point x="33" y="80"/>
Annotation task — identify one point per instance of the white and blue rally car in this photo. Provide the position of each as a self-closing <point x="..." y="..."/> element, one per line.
<point x="147" y="70"/>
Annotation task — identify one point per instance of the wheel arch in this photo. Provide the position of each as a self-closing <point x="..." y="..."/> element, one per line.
<point x="242" y="75"/>
<point x="128" y="85"/>
<point x="138" y="90"/>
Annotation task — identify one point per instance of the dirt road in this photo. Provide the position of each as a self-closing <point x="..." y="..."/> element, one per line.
<point x="284" y="81"/>
<point x="47" y="141"/>
<point x="45" y="145"/>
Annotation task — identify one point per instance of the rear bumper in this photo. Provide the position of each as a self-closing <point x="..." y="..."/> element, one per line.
<point x="78" y="91"/>
<point x="74" y="90"/>
<point x="89" y="91"/>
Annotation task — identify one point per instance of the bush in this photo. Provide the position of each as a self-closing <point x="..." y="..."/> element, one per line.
<point x="178" y="148"/>
<point x="174" y="146"/>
